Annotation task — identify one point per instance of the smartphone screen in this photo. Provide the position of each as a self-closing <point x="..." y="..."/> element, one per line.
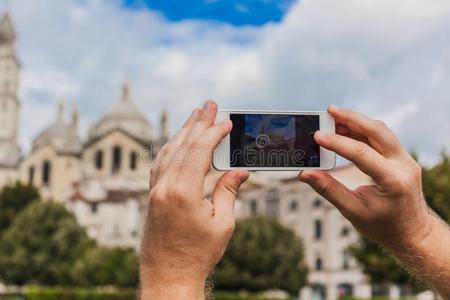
<point x="274" y="140"/>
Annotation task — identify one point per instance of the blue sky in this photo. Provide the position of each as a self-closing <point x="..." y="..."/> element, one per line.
<point x="387" y="59"/>
<point x="235" y="12"/>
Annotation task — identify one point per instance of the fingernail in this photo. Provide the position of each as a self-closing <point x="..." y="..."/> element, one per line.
<point x="318" y="134"/>
<point x="228" y="124"/>
<point x="304" y="177"/>
<point x="209" y="105"/>
<point x="243" y="177"/>
<point x="332" y="107"/>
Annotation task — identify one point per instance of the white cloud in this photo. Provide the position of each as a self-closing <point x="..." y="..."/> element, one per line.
<point x="386" y="58"/>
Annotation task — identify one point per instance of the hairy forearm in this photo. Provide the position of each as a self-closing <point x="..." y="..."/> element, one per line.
<point x="429" y="258"/>
<point x="172" y="291"/>
<point x="170" y="285"/>
<point x="151" y="290"/>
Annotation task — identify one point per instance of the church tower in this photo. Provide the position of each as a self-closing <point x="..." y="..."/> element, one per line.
<point x="9" y="101"/>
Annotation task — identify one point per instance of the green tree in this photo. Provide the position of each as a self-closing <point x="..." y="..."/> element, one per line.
<point x="100" y="266"/>
<point x="13" y="199"/>
<point x="41" y="246"/>
<point x="378" y="264"/>
<point x="436" y="187"/>
<point x="262" y="255"/>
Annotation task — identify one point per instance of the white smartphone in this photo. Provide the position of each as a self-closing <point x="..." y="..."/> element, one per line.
<point x="274" y="141"/>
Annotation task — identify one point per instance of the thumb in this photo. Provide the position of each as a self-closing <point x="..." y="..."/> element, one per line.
<point x="332" y="190"/>
<point x="225" y="193"/>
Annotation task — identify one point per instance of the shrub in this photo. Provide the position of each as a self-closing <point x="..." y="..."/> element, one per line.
<point x="57" y="293"/>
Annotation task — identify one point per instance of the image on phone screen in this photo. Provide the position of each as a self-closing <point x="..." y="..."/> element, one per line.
<point x="274" y="140"/>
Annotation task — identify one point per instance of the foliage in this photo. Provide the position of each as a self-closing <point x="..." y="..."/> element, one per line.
<point x="224" y="295"/>
<point x="100" y="266"/>
<point x="58" y="293"/>
<point x="436" y="187"/>
<point x="13" y="199"/>
<point x="378" y="264"/>
<point x="41" y="246"/>
<point x="262" y="255"/>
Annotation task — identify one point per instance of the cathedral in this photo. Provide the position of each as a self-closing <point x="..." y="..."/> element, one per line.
<point x="104" y="179"/>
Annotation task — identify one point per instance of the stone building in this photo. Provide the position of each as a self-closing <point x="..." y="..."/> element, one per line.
<point x="325" y="233"/>
<point x="103" y="179"/>
<point x="9" y="102"/>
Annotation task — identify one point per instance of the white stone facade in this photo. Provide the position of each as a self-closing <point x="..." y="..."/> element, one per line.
<point x="325" y="233"/>
<point x="104" y="179"/>
<point x="112" y="212"/>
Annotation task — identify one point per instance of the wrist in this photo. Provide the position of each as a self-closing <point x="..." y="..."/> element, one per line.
<point x="171" y="285"/>
<point x="418" y="234"/>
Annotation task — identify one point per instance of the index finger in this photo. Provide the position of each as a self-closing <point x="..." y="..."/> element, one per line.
<point x="200" y="152"/>
<point x="363" y="156"/>
<point x="379" y="135"/>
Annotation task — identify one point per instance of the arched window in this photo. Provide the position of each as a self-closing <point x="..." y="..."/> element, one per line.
<point x="116" y="159"/>
<point x="94" y="207"/>
<point x="318" y="263"/>
<point x="317" y="203"/>
<point x="273" y="204"/>
<point x="31" y="175"/>
<point x="317" y="229"/>
<point x="133" y="160"/>
<point x="46" y="170"/>
<point x="345" y="231"/>
<point x="293" y="206"/>
<point x="99" y="159"/>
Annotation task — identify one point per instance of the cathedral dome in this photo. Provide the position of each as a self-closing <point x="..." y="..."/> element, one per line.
<point x="63" y="137"/>
<point x="124" y="116"/>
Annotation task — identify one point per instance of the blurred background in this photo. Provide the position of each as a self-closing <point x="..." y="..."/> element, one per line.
<point x="91" y="89"/>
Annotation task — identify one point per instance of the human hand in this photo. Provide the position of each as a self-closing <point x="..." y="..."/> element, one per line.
<point x="392" y="211"/>
<point x="186" y="234"/>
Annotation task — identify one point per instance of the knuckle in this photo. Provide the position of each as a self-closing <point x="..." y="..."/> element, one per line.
<point x="185" y="144"/>
<point x="323" y="188"/>
<point x="380" y="125"/>
<point x="157" y="194"/>
<point x="198" y="145"/>
<point x="360" y="150"/>
<point x="231" y="189"/>
<point x="402" y="185"/>
<point x="202" y="123"/>
<point x="406" y="182"/>
<point x="176" y="193"/>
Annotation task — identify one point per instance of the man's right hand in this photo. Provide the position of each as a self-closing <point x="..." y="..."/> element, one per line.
<point x="392" y="211"/>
